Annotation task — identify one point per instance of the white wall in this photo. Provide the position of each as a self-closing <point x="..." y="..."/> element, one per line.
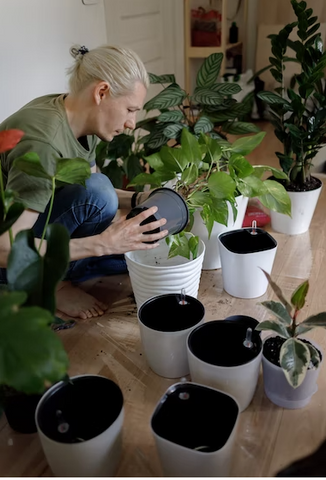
<point x="35" y="37"/>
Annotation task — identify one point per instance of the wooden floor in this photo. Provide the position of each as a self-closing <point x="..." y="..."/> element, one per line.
<point x="268" y="437"/>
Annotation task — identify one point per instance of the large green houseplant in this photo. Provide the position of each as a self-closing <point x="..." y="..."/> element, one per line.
<point x="209" y="110"/>
<point x="291" y="354"/>
<point x="32" y="354"/>
<point x="211" y="172"/>
<point x="298" y="112"/>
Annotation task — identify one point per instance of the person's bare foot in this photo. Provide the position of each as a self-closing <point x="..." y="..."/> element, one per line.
<point x="74" y="302"/>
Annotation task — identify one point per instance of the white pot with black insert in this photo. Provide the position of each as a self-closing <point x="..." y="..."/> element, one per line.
<point x="165" y="322"/>
<point x="194" y="427"/>
<point x="80" y="426"/>
<point x="276" y="386"/>
<point x="226" y="354"/>
<point x="244" y="253"/>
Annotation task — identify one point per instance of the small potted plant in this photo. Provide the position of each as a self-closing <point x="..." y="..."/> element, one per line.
<point x="291" y="364"/>
<point x="298" y="114"/>
<point x="212" y="175"/>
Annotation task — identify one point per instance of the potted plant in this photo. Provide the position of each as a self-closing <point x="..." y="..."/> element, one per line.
<point x="27" y="302"/>
<point x="291" y="364"/>
<point x="212" y="174"/>
<point x="211" y="109"/>
<point x="298" y="114"/>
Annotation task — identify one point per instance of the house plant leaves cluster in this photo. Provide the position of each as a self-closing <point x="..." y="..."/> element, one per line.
<point x="295" y="356"/>
<point x="298" y="113"/>
<point x="210" y="109"/>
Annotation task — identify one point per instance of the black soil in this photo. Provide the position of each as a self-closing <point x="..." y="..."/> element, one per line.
<point x="272" y="348"/>
<point x="312" y="184"/>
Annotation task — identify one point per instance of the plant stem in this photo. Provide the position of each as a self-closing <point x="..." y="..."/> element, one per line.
<point x="49" y="214"/>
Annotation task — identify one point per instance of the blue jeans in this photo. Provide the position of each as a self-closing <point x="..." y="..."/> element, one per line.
<point x="85" y="212"/>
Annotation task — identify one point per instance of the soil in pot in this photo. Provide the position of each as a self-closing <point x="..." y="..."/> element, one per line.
<point x="221" y="343"/>
<point x="312" y="184"/>
<point x="272" y="347"/>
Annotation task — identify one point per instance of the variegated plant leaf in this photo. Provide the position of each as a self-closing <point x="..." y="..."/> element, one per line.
<point x="279" y="311"/>
<point x="311" y="322"/>
<point x="294" y="360"/>
<point x="277" y="327"/>
<point x="278" y="292"/>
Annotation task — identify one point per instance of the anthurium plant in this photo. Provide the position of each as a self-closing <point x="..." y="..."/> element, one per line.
<point x="298" y="113"/>
<point x="32" y="354"/>
<point x="296" y="355"/>
<point x="211" y="172"/>
<point x="210" y="109"/>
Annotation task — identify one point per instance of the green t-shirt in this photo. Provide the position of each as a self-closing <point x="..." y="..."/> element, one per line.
<point x="47" y="133"/>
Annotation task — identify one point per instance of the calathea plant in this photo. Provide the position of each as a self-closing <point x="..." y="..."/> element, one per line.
<point x="210" y="172"/>
<point x="295" y="355"/>
<point x="210" y="109"/>
<point x="32" y="355"/>
<point x="298" y="113"/>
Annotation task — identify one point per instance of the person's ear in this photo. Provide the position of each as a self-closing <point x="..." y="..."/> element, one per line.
<point x="101" y="91"/>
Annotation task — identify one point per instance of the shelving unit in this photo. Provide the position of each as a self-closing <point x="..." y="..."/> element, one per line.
<point x="203" y="52"/>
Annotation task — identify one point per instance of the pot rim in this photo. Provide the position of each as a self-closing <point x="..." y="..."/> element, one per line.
<point x="57" y="386"/>
<point x="222" y="367"/>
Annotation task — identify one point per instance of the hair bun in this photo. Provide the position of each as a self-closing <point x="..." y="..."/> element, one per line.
<point x="78" y="51"/>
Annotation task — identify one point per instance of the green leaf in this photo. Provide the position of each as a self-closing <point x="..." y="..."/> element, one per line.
<point x="151" y="179"/>
<point x="277" y="198"/>
<point x="167" y="78"/>
<point x="30" y="163"/>
<point x="246" y="145"/>
<point x="221" y="185"/>
<point x="226" y="88"/>
<point x="314" y="355"/>
<point x="274" y="326"/>
<point x="219" y="211"/>
<point x="239" y="128"/>
<point x="294" y="360"/>
<point x="154" y="161"/>
<point x="132" y="166"/>
<point x="73" y="170"/>
<point x="242" y="167"/>
<point x="272" y="99"/>
<point x="206" y="96"/>
<point x="32" y="354"/>
<point x="190" y="147"/>
<point x="179" y="245"/>
<point x="259" y="170"/>
<point x="36" y="275"/>
<point x="173" y="130"/>
<point x="171" y="116"/>
<point x="193" y="246"/>
<point x="115" y="173"/>
<point x="314" y="321"/>
<point x="190" y="175"/>
<point x="279" y="311"/>
<point x="209" y="70"/>
<point x="203" y="125"/>
<point x="299" y="295"/>
<point x="278" y="292"/>
<point x="198" y="199"/>
<point x="251" y="186"/>
<point x="156" y="140"/>
<point x="170" y="97"/>
<point x="14" y="212"/>
<point x="101" y="153"/>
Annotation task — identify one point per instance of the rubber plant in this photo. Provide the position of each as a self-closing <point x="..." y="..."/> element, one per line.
<point x="298" y="113"/>
<point x="296" y="356"/>
<point x="211" y="109"/>
<point x="32" y="355"/>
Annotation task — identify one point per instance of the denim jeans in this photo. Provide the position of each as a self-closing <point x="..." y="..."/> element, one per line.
<point x="85" y="212"/>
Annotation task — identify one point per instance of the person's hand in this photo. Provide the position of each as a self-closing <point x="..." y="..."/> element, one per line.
<point x="126" y="235"/>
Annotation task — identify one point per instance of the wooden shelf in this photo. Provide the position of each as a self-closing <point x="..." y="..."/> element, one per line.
<point x="232" y="45"/>
<point x="203" y="52"/>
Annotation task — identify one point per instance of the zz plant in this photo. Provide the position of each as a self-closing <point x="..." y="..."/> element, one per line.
<point x="209" y="110"/>
<point x="298" y="113"/>
<point x="32" y="355"/>
<point x="295" y="355"/>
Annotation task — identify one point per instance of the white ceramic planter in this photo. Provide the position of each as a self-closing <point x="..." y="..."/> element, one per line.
<point x="303" y="206"/>
<point x="212" y="256"/>
<point x="280" y="392"/>
<point x="210" y="344"/>
<point x="152" y="273"/>
<point x="243" y="255"/>
<point x="194" y="429"/>
<point x="100" y="408"/>
<point x="164" y="327"/>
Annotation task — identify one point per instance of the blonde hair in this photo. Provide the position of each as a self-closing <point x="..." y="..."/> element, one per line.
<point x="120" y="67"/>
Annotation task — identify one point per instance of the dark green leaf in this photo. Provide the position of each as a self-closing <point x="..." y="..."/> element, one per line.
<point x="226" y="88"/>
<point x="167" y="78"/>
<point x="173" y="130"/>
<point x="209" y="70"/>
<point x="171" y="96"/>
<point x="114" y="173"/>
<point x="14" y="212"/>
<point x="73" y="170"/>
<point x="299" y="295"/>
<point x="246" y="145"/>
<point x="239" y="128"/>
<point x="221" y="185"/>
<point x="206" y="96"/>
<point x="30" y="164"/>
<point x="203" y="125"/>
<point x="171" y="116"/>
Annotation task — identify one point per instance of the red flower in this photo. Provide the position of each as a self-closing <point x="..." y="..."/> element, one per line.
<point x="9" y="139"/>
